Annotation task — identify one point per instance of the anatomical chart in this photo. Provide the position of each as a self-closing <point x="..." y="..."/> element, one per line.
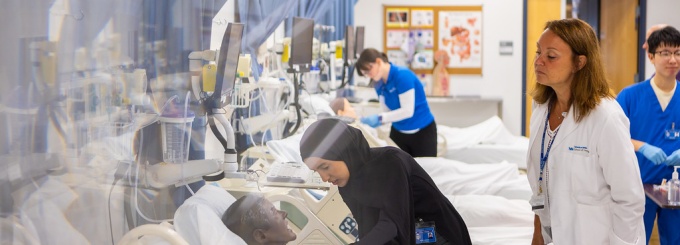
<point x="460" y="35"/>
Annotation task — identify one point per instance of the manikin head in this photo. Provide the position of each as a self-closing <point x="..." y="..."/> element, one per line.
<point x="342" y="107"/>
<point x="257" y="221"/>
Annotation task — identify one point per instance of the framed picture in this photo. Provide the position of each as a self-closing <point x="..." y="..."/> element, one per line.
<point x="423" y="60"/>
<point x="423" y="37"/>
<point x="397" y="57"/>
<point x="397" y="17"/>
<point x="422" y="17"/>
<point x="460" y="35"/>
<point x="396" y="37"/>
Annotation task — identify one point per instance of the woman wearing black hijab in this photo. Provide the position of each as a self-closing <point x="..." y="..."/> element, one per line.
<point x="385" y="188"/>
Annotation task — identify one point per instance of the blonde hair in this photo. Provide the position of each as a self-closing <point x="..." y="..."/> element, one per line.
<point x="590" y="84"/>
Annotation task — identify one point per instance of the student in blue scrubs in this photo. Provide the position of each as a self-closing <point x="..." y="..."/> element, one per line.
<point x="402" y="97"/>
<point x="653" y="107"/>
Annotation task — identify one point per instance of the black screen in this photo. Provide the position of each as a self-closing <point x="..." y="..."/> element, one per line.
<point x="227" y="61"/>
<point x="349" y="44"/>
<point x="301" y="47"/>
<point x="360" y="41"/>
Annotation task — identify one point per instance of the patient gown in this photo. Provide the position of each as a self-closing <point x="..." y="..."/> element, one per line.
<point x="387" y="192"/>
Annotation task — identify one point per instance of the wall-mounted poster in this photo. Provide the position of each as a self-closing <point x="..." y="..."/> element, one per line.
<point x="424" y="38"/>
<point x="397" y="57"/>
<point x="460" y="35"/>
<point x="423" y="60"/>
<point x="395" y="38"/>
<point x="397" y="17"/>
<point x="422" y="17"/>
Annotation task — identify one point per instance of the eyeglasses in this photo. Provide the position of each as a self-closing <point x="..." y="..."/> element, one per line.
<point x="370" y="68"/>
<point x="667" y="54"/>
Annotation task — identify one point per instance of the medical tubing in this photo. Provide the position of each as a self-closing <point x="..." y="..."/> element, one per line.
<point x="167" y="102"/>
<point x="116" y="177"/>
<point x="184" y="134"/>
<point x="137" y="205"/>
<point x="342" y="77"/>
<point x="190" y="190"/>
<point x="229" y="131"/>
<point x="216" y="132"/>
<point x="296" y="103"/>
<point x="246" y="130"/>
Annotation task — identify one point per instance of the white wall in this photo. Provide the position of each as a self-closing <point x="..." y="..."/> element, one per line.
<point x="660" y="12"/>
<point x="225" y="15"/>
<point x="502" y="75"/>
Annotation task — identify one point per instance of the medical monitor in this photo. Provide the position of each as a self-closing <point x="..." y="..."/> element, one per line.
<point x="349" y="44"/>
<point x="359" y="47"/>
<point x="227" y="61"/>
<point x="301" y="47"/>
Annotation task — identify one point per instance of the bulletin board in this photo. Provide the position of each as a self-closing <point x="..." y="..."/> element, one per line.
<point x="454" y="29"/>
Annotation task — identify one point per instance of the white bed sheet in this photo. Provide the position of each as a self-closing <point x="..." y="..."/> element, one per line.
<point x="485" y="142"/>
<point x="458" y="178"/>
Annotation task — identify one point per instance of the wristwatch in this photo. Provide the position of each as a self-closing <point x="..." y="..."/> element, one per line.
<point x="380" y="118"/>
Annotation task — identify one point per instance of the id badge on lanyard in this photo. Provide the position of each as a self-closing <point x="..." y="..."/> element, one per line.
<point x="672" y="133"/>
<point x="425" y="232"/>
<point x="538" y="201"/>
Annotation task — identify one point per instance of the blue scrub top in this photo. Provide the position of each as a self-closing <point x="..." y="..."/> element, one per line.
<point x="399" y="81"/>
<point x="648" y="123"/>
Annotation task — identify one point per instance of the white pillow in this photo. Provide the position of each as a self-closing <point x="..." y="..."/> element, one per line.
<point x="286" y="150"/>
<point x="316" y="104"/>
<point x="199" y="219"/>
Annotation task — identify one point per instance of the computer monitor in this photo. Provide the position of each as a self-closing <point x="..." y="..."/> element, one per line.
<point x="359" y="47"/>
<point x="301" y="47"/>
<point x="349" y="44"/>
<point x="227" y="62"/>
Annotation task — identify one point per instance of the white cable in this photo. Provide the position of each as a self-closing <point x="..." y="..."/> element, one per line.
<point x="190" y="190"/>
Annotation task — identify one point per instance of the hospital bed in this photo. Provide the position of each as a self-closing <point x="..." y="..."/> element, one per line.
<point x="485" y="142"/>
<point x="482" y="138"/>
<point x="492" y="198"/>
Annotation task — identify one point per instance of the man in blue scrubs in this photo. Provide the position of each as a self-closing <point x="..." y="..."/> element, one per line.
<point x="653" y="108"/>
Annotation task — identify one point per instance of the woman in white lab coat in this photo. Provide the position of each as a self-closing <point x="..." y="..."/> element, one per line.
<point x="581" y="166"/>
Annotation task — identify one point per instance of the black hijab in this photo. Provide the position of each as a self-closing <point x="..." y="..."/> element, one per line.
<point x="377" y="181"/>
<point x="332" y="139"/>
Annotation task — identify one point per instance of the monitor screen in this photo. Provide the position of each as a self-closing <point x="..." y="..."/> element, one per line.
<point x="301" y="47"/>
<point x="227" y="61"/>
<point x="349" y="44"/>
<point x="360" y="41"/>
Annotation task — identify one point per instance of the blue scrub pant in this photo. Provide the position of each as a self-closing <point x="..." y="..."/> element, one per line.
<point x="668" y="222"/>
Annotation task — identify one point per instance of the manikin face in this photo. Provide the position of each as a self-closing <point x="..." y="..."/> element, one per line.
<point x="669" y="66"/>
<point x="553" y="64"/>
<point x="278" y="232"/>
<point x="335" y="172"/>
<point x="348" y="110"/>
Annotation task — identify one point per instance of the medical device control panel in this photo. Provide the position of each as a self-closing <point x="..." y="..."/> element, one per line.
<point x="292" y="174"/>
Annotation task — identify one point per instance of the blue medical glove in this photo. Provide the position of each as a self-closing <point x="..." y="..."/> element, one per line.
<point x="674" y="159"/>
<point x="372" y="120"/>
<point x="653" y="153"/>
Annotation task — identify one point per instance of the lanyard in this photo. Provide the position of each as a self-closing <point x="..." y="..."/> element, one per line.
<point x="544" y="155"/>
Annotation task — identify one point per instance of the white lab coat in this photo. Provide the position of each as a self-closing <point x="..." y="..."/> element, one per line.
<point x="595" y="191"/>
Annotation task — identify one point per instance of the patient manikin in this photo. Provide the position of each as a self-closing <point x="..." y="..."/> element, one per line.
<point x="342" y="108"/>
<point x="347" y="114"/>
<point x="257" y="221"/>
